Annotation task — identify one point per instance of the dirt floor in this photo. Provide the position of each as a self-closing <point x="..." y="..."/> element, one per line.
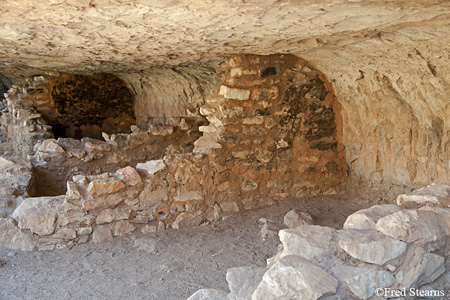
<point x="170" y="264"/>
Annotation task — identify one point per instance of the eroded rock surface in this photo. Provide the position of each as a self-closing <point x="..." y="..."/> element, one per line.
<point x="383" y="59"/>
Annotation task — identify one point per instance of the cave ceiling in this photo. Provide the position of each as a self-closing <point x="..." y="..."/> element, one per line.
<point x="122" y="36"/>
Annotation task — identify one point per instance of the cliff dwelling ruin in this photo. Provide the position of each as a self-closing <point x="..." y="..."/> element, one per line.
<point x="322" y="125"/>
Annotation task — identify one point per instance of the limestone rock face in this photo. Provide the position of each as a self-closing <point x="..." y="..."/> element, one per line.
<point x="394" y="116"/>
<point x="367" y="218"/>
<point x="39" y="214"/>
<point x="211" y="21"/>
<point x="242" y="281"/>
<point x="363" y="280"/>
<point x="306" y="280"/>
<point x="295" y="218"/>
<point x="370" y="246"/>
<point x="418" y="226"/>
<point x="436" y="194"/>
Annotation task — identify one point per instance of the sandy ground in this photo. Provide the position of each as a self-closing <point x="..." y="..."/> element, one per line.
<point x="171" y="264"/>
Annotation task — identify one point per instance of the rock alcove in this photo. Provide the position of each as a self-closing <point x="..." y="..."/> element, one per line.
<point x="213" y="108"/>
<point x="86" y="106"/>
<point x="271" y="128"/>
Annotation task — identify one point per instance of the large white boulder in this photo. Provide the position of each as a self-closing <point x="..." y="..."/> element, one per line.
<point x="436" y="194"/>
<point x="243" y="281"/>
<point x="412" y="225"/>
<point x="294" y="277"/>
<point x="39" y="214"/>
<point x="370" y="245"/>
<point x="367" y="218"/>
<point x="311" y="242"/>
<point x="363" y="280"/>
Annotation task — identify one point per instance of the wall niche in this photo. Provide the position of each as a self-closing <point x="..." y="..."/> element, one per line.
<point x="78" y="106"/>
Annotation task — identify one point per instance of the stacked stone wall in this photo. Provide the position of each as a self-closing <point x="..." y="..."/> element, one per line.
<point x="275" y="130"/>
<point x="274" y="133"/>
<point x="22" y="123"/>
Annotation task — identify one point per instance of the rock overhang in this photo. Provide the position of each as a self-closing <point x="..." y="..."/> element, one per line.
<point x="385" y="61"/>
<point x="84" y="36"/>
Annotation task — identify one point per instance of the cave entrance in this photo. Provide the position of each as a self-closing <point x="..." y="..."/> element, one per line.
<point x="87" y="105"/>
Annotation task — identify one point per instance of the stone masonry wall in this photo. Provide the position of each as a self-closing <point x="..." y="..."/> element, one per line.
<point x="275" y="130"/>
<point x="82" y="105"/>
<point x="56" y="161"/>
<point x="274" y="133"/>
<point x="22" y="123"/>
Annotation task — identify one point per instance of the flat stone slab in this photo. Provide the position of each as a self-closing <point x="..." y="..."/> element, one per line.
<point x="413" y="226"/>
<point x="243" y="281"/>
<point x="294" y="277"/>
<point x="308" y="241"/>
<point x="436" y="194"/>
<point x="367" y="218"/>
<point x="363" y="280"/>
<point x="104" y="187"/>
<point x="370" y="245"/>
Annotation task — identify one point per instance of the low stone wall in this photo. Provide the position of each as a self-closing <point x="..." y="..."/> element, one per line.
<point x="384" y="252"/>
<point x="171" y="192"/>
<point x="16" y="182"/>
<point x="22" y="123"/>
<point x="57" y="161"/>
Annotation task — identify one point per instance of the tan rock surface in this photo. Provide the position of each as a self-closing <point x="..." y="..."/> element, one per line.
<point x="418" y="226"/>
<point x="370" y="245"/>
<point x="384" y="59"/>
<point x="434" y="194"/>
<point x="367" y="218"/>
<point x="39" y="214"/>
<point x="100" y="188"/>
<point x="306" y="280"/>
